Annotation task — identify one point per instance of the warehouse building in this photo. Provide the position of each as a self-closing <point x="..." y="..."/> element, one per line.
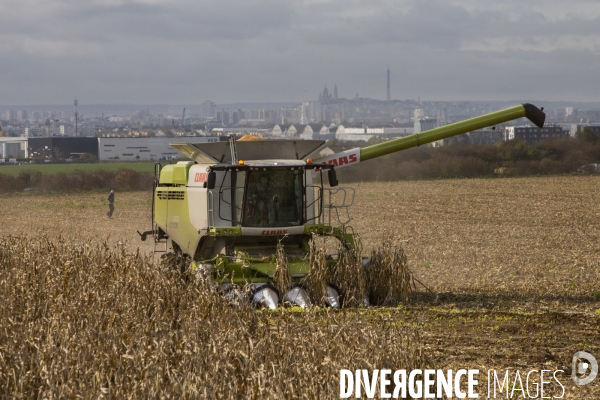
<point x="12" y="148"/>
<point x="64" y="148"/>
<point x="146" y="149"/>
<point x="532" y="134"/>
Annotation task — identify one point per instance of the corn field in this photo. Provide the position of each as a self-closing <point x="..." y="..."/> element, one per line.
<point x="96" y="321"/>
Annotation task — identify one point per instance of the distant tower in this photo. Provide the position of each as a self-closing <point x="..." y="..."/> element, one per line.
<point x="76" y="115"/>
<point x="335" y="95"/>
<point x="389" y="97"/>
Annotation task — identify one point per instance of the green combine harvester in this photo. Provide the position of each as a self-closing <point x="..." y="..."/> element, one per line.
<point x="228" y="209"/>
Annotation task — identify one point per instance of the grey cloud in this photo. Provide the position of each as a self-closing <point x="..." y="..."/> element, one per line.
<point x="272" y="50"/>
<point x="223" y="20"/>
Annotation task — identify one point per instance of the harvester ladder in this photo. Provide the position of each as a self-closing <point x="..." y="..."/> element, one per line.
<point x="211" y="210"/>
<point x="158" y="239"/>
<point x="234" y="158"/>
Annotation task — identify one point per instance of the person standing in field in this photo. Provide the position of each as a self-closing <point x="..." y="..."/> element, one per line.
<point x="111" y="205"/>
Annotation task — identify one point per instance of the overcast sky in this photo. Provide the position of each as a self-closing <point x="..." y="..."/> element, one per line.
<point x="189" y="51"/>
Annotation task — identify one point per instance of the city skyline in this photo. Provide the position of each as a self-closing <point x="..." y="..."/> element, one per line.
<point x="180" y="52"/>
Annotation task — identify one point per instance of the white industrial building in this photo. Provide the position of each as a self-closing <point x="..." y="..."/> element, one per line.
<point x="13" y="147"/>
<point x="144" y="149"/>
<point x="357" y="134"/>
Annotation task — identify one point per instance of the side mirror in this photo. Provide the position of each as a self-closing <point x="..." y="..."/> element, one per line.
<point x="212" y="180"/>
<point x="332" y="177"/>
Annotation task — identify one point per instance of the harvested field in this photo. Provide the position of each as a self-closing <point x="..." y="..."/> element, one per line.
<point x="511" y="266"/>
<point x="521" y="237"/>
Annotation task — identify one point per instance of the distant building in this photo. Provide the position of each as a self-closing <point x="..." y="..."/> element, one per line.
<point x="532" y="134"/>
<point x="303" y="118"/>
<point x="146" y="149"/>
<point x="418" y="113"/>
<point x="316" y="131"/>
<point x="325" y="97"/>
<point x="13" y="147"/>
<point x="442" y="115"/>
<point x="313" y="113"/>
<point x="61" y="147"/>
<point x="11" y="115"/>
<point x="207" y="109"/>
<point x="348" y="134"/>
<point x="580" y="127"/>
<point x="223" y="116"/>
<point x="425" y="124"/>
<point x="280" y="130"/>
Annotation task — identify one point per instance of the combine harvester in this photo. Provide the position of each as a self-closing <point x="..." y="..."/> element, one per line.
<point x="228" y="209"/>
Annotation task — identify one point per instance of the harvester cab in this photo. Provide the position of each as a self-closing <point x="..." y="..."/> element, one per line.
<point x="237" y="203"/>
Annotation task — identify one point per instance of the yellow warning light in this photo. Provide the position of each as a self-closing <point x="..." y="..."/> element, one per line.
<point x="241" y="162"/>
<point x="309" y="160"/>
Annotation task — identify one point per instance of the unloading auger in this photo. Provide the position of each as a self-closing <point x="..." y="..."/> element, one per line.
<point x="230" y="208"/>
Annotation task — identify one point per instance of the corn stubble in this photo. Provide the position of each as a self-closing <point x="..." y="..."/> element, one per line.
<point x="96" y="321"/>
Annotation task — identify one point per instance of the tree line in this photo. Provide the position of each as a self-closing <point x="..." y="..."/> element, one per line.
<point x="511" y="158"/>
<point x="78" y="180"/>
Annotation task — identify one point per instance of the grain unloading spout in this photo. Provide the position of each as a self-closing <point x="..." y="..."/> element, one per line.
<point x="354" y="156"/>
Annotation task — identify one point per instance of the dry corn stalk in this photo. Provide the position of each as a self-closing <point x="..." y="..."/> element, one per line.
<point x="94" y="321"/>
<point x="389" y="280"/>
<point x="319" y="275"/>
<point x="282" y="278"/>
<point x="350" y="278"/>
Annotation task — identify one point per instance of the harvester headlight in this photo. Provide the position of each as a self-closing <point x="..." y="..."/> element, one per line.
<point x="230" y="232"/>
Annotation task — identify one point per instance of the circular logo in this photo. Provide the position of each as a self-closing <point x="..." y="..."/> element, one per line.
<point x="582" y="363"/>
